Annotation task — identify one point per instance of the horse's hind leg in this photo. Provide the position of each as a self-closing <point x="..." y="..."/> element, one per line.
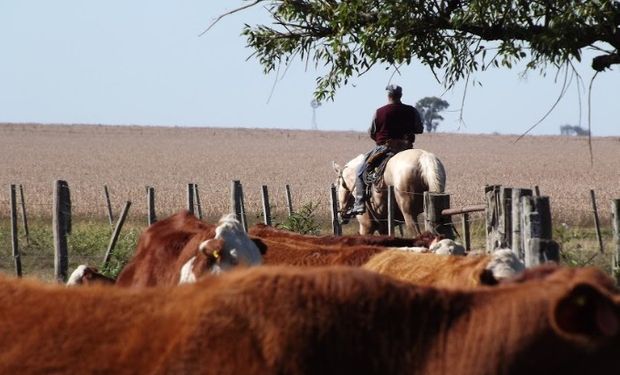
<point x="412" y="226"/>
<point x="405" y="204"/>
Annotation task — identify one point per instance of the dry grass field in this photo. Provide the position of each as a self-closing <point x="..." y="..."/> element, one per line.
<point x="128" y="158"/>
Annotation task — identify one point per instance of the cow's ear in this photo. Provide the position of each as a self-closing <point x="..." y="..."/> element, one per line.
<point x="336" y="167"/>
<point x="260" y="244"/>
<point x="587" y="312"/>
<point x="212" y="248"/>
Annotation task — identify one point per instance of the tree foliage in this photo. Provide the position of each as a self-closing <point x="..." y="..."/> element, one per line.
<point x="429" y="108"/>
<point x="452" y="37"/>
<point x="573" y="130"/>
<point x="303" y="221"/>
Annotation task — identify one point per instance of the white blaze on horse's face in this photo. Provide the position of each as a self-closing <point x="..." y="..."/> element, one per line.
<point x="238" y="247"/>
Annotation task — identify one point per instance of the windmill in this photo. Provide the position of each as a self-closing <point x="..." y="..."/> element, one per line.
<point x="314" y="104"/>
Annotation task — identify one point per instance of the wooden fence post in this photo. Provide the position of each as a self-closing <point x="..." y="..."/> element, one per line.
<point x="466" y="232"/>
<point x="235" y="203"/>
<point x="244" y="218"/>
<point x="190" y="198"/>
<point x="197" y="202"/>
<point x="527" y="210"/>
<point x="435" y="221"/>
<point x="390" y="210"/>
<point x="289" y="200"/>
<point x="266" y="207"/>
<point x="336" y="228"/>
<point x="61" y="226"/>
<point x="498" y="217"/>
<point x="115" y="234"/>
<point x="106" y="194"/>
<point x="14" y="234"/>
<point x="151" y="217"/>
<point x="615" y="221"/>
<point x="505" y="217"/>
<point x="24" y="217"/>
<point x="537" y="231"/>
<point x="491" y="197"/>
<point x="517" y="238"/>
<point x="597" y="223"/>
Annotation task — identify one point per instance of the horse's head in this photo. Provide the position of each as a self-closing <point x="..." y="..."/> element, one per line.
<point x="345" y="182"/>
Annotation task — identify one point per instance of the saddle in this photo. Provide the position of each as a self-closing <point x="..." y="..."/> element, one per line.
<point x="377" y="162"/>
<point x="376" y="167"/>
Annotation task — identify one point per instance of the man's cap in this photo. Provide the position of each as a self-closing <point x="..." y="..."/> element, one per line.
<point x="394" y="90"/>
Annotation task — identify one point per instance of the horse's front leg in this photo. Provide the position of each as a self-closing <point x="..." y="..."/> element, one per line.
<point x="367" y="226"/>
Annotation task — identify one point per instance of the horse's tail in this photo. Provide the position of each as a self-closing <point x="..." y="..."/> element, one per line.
<point x="433" y="172"/>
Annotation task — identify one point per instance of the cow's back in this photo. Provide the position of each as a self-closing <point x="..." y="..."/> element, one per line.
<point x="282" y="320"/>
<point x="430" y="269"/>
<point x="266" y="232"/>
<point x="305" y="254"/>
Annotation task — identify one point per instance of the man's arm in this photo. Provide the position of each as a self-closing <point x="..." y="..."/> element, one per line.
<point x="372" y="131"/>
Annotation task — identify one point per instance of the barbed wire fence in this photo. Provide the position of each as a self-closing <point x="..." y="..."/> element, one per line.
<point x="210" y="203"/>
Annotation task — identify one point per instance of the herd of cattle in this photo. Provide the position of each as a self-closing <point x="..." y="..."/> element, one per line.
<point x="315" y="305"/>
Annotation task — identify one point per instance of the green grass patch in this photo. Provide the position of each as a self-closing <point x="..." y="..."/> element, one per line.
<point x="86" y="244"/>
<point x="90" y="238"/>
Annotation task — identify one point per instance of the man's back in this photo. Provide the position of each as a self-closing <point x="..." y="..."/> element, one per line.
<point x="395" y="121"/>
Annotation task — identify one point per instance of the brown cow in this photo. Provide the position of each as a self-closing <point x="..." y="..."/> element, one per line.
<point x="265" y="232"/>
<point x="313" y="321"/>
<point x="180" y="248"/>
<point x="296" y="254"/>
<point x="304" y="254"/>
<point x="284" y="247"/>
<point x="447" y="271"/>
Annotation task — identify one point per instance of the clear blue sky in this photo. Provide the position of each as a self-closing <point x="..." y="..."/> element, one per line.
<point x="141" y="62"/>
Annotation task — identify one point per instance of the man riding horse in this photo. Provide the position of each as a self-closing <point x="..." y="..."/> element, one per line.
<point x="393" y="129"/>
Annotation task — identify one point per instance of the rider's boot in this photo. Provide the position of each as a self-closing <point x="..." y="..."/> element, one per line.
<point x="358" y="207"/>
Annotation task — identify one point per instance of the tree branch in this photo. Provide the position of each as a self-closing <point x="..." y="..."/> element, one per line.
<point x="228" y="14"/>
<point x="600" y="63"/>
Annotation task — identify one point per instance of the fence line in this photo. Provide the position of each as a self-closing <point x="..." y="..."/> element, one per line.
<point x="573" y="208"/>
<point x="531" y="234"/>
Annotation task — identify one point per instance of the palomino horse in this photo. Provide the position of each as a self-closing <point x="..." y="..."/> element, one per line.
<point x="411" y="172"/>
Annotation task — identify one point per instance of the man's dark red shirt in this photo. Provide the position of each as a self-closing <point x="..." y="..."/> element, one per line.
<point x="395" y="121"/>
